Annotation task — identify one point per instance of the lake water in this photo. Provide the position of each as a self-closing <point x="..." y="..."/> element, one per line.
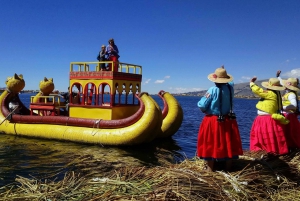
<point x="37" y="157"/>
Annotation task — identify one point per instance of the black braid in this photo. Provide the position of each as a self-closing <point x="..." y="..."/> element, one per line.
<point x="231" y="113"/>
<point x="279" y="102"/>
<point x="297" y="107"/>
<point x="220" y="118"/>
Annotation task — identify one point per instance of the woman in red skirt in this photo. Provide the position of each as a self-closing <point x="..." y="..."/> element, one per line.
<point x="291" y="111"/>
<point x="267" y="132"/>
<point x="112" y="52"/>
<point x="218" y="137"/>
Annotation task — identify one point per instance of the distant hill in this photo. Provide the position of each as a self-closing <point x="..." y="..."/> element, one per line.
<point x="241" y="90"/>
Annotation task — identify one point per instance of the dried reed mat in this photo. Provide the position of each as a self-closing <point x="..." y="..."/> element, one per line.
<point x="256" y="176"/>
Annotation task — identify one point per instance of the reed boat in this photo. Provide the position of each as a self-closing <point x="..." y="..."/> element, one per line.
<point x="103" y="107"/>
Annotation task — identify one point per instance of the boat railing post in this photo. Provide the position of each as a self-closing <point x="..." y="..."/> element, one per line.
<point x="98" y="66"/>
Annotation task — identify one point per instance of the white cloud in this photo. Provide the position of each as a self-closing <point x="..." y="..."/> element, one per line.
<point x="159" y="81"/>
<point x="245" y="78"/>
<point x="184" y="90"/>
<point x="289" y="60"/>
<point x="167" y="77"/>
<point x="147" y="81"/>
<point x="293" y="73"/>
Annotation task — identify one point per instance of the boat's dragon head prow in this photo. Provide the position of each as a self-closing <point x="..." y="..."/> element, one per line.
<point x="15" y="84"/>
<point x="46" y="87"/>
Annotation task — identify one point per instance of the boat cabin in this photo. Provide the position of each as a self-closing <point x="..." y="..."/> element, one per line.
<point x="97" y="94"/>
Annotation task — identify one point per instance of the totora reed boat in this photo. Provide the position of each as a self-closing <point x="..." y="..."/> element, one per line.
<point x="104" y="107"/>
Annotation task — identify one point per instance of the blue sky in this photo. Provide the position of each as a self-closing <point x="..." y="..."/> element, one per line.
<point x="177" y="42"/>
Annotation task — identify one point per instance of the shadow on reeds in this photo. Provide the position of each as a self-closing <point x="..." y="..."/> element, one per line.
<point x="159" y="152"/>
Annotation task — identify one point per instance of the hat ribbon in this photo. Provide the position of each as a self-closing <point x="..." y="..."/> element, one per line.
<point x="274" y="84"/>
<point x="215" y="76"/>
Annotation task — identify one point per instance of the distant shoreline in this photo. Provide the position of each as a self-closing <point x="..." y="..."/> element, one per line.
<point x="241" y="97"/>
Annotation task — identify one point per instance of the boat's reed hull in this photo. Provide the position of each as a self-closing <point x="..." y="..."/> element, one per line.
<point x="139" y="132"/>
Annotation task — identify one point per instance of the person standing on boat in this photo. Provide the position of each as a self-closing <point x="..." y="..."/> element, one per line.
<point x="101" y="57"/>
<point x="14" y="106"/>
<point x="219" y="136"/>
<point x="112" y="52"/>
<point x="291" y="111"/>
<point x="267" y="132"/>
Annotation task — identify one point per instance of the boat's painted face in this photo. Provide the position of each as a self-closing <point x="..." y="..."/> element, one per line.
<point x="46" y="86"/>
<point x="15" y="84"/>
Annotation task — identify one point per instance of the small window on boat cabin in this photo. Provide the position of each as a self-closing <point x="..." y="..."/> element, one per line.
<point x="104" y="95"/>
<point x="76" y="92"/>
<point x="90" y="94"/>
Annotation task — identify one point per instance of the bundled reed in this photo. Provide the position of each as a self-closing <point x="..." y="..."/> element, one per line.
<point x="256" y="176"/>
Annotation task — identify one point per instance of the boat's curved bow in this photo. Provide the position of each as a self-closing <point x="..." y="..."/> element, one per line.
<point x="172" y="115"/>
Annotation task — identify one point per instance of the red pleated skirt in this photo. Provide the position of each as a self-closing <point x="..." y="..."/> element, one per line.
<point x="292" y="131"/>
<point x="268" y="134"/>
<point x="218" y="140"/>
<point x="116" y="63"/>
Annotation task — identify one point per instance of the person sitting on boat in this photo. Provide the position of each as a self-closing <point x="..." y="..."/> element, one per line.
<point x="218" y="136"/>
<point x="66" y="96"/>
<point x="291" y="111"/>
<point x="62" y="106"/>
<point x="267" y="132"/>
<point x="112" y="52"/>
<point x="55" y="91"/>
<point x="101" y="57"/>
<point x="90" y="97"/>
<point x="14" y="106"/>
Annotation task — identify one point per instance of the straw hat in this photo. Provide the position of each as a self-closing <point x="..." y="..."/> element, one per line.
<point x="292" y="84"/>
<point x="220" y="76"/>
<point x="274" y="84"/>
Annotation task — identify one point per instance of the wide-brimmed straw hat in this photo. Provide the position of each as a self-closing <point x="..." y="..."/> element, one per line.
<point x="292" y="84"/>
<point x="274" y="84"/>
<point x="220" y="76"/>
